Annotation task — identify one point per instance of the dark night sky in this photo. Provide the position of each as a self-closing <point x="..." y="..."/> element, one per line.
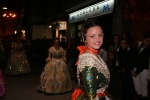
<point x="14" y="4"/>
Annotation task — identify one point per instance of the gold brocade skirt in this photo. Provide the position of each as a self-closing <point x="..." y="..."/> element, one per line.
<point x="18" y="64"/>
<point x="55" y="77"/>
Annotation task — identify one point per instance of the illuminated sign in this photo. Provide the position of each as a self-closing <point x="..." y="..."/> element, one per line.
<point x="97" y="9"/>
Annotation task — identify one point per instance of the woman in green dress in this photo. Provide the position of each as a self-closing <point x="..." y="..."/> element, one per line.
<point x="92" y="72"/>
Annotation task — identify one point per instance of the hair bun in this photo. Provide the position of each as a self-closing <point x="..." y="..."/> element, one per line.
<point x="82" y="36"/>
<point x="88" y="23"/>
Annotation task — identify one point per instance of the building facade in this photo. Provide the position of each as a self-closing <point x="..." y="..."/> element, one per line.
<point x="50" y="19"/>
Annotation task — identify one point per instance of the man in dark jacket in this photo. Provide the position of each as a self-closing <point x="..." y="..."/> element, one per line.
<point x="124" y="57"/>
<point x="141" y="67"/>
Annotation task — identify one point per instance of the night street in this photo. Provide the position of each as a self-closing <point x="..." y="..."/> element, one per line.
<point x="24" y="87"/>
<point x="105" y="43"/>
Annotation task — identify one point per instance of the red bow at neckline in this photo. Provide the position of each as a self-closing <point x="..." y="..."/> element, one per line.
<point x="84" y="48"/>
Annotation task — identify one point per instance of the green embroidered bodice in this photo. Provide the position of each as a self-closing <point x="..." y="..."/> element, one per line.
<point x="93" y="75"/>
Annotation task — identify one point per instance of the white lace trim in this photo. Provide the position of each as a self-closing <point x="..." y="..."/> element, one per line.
<point x="90" y="60"/>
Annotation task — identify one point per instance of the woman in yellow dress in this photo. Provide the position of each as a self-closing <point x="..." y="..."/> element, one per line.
<point x="92" y="72"/>
<point x="18" y="63"/>
<point x="55" y="76"/>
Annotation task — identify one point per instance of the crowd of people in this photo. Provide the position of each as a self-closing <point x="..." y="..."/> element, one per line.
<point x="103" y="70"/>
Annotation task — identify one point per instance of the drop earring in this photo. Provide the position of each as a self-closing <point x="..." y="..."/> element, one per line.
<point x="85" y="42"/>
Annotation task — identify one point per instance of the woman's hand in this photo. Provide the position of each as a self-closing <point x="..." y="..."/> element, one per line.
<point x="133" y="73"/>
<point x="48" y="59"/>
<point x="64" y="59"/>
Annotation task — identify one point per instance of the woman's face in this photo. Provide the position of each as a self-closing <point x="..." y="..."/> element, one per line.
<point x="116" y="40"/>
<point x="124" y="36"/>
<point x="56" y="43"/>
<point x="146" y="42"/>
<point x="94" y="37"/>
<point x="111" y="55"/>
<point x="124" y="44"/>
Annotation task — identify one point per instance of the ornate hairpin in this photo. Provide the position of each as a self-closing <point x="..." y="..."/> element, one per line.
<point x="82" y="36"/>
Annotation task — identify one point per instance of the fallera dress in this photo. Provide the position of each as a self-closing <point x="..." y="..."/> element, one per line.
<point x="2" y="57"/>
<point x="17" y="63"/>
<point x="93" y="78"/>
<point x="55" y="76"/>
<point x="2" y="85"/>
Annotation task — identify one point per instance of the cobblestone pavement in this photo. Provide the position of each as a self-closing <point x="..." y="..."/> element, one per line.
<point x="24" y="87"/>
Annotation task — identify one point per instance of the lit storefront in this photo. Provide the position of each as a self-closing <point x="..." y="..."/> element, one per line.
<point x="101" y="11"/>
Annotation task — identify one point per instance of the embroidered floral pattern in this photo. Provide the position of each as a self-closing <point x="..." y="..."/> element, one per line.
<point x="93" y="61"/>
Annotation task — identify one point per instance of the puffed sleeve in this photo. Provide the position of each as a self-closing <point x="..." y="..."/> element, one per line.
<point x="14" y="46"/>
<point x="88" y="79"/>
<point x="49" y="55"/>
<point x="87" y="76"/>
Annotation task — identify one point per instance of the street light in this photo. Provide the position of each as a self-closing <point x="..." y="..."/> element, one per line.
<point x="4" y="15"/>
<point x="4" y="7"/>
<point x="9" y="15"/>
<point x="15" y="32"/>
<point x="50" y="26"/>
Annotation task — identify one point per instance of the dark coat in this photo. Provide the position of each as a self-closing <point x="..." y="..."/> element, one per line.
<point x="124" y="57"/>
<point x="141" y="59"/>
